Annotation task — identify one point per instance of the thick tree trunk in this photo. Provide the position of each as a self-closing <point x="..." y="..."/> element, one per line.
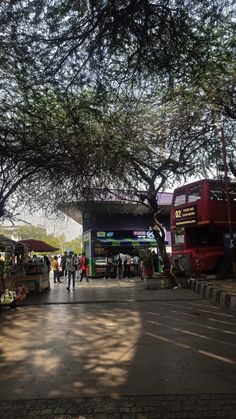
<point x="159" y="235"/>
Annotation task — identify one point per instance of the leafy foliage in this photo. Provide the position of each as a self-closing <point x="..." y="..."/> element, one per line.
<point x="79" y="42"/>
<point x="24" y="232"/>
<point x="102" y="95"/>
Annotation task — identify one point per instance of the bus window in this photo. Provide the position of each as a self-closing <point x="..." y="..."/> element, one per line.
<point x="204" y="236"/>
<point x="178" y="236"/>
<point x="179" y="200"/>
<point x="232" y="195"/>
<point x="193" y="196"/>
<point x="217" y="194"/>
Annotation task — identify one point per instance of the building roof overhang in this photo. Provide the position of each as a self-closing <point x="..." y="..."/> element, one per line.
<point x="75" y="210"/>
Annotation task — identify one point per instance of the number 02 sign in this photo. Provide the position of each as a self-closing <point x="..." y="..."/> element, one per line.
<point x="185" y="216"/>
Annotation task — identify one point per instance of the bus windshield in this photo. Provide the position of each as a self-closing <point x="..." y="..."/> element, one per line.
<point x="179" y="200"/>
<point x="189" y="197"/>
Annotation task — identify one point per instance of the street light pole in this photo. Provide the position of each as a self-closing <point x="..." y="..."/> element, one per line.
<point x="226" y="183"/>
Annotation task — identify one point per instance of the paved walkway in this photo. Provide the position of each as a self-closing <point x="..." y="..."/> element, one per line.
<point x="111" y="349"/>
<point x="101" y="291"/>
<point x="221" y="292"/>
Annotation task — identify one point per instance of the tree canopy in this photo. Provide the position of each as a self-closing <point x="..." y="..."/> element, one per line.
<point x="112" y="94"/>
<point x="119" y="42"/>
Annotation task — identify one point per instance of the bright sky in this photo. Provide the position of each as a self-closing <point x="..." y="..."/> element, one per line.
<point x="64" y="225"/>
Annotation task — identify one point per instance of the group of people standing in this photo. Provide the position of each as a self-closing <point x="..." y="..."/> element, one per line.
<point x="119" y="265"/>
<point x="69" y="265"/>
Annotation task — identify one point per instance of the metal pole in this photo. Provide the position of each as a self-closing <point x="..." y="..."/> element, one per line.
<point x="226" y="182"/>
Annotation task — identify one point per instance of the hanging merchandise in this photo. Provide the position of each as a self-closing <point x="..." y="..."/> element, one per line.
<point x="9" y="294"/>
<point x="8" y="297"/>
<point x="6" y="270"/>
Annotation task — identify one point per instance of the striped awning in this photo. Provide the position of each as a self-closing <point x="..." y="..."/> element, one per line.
<point x="128" y="242"/>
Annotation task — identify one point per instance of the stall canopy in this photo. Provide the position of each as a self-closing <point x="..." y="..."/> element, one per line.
<point x="5" y="241"/>
<point x="38" y="245"/>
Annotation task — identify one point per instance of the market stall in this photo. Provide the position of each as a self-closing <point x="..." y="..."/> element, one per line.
<point x="20" y="272"/>
<point x="37" y="269"/>
<point x="10" y="291"/>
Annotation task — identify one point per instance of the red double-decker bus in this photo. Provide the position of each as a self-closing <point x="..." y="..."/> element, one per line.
<point x="203" y="219"/>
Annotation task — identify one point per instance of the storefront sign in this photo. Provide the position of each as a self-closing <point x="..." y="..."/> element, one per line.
<point x="150" y="234"/>
<point x="143" y="234"/>
<point x="139" y="234"/>
<point x="101" y="234"/>
<point x="186" y="216"/>
<point x="115" y="242"/>
<point x="126" y="235"/>
<point x="110" y="234"/>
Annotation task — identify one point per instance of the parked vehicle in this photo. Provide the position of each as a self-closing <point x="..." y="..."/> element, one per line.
<point x="203" y="219"/>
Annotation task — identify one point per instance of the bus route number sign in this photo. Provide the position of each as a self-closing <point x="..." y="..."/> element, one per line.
<point x="186" y="216"/>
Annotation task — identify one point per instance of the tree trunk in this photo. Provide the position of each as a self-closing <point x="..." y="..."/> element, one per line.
<point x="159" y="235"/>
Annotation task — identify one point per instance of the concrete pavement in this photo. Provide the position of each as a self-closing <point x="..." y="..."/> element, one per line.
<point x="114" y="350"/>
<point x="101" y="291"/>
<point x="222" y="292"/>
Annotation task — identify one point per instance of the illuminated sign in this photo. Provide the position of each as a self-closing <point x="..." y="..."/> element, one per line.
<point x="144" y="234"/>
<point x="186" y="216"/>
<point x="150" y="234"/>
<point x="101" y="234"/>
<point x="139" y="234"/>
<point x="110" y="234"/>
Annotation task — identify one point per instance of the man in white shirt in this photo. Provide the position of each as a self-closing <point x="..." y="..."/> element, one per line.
<point x="120" y="262"/>
<point x="127" y="265"/>
<point x="136" y="261"/>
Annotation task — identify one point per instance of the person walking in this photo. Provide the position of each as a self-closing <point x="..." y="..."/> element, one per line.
<point x="120" y="263"/>
<point x="56" y="272"/>
<point x="109" y="266"/>
<point x="83" y="266"/>
<point x="76" y="261"/>
<point x="63" y="264"/>
<point x="127" y="265"/>
<point x="71" y="269"/>
<point x="136" y="262"/>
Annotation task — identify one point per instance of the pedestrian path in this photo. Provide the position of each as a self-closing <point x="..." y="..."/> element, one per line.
<point x="113" y="350"/>
<point x="104" y="290"/>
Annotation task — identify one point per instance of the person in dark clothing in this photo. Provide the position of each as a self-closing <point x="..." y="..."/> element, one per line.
<point x="83" y="268"/>
<point x="155" y="261"/>
<point x="47" y="262"/>
<point x="71" y="269"/>
<point x="109" y="266"/>
<point x="178" y="273"/>
<point x="63" y="264"/>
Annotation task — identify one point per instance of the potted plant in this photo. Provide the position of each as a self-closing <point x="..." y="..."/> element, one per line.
<point x="151" y="281"/>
